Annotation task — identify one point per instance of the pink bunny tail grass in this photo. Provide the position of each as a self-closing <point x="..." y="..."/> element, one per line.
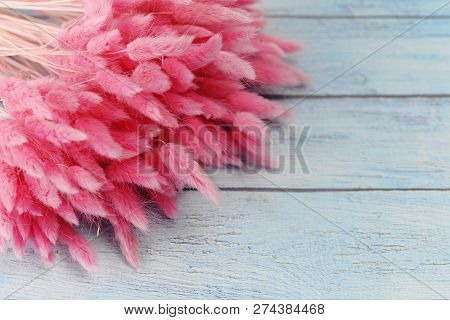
<point x="146" y="95"/>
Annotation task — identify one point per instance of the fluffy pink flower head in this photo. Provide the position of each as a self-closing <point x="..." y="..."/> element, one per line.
<point x="148" y="93"/>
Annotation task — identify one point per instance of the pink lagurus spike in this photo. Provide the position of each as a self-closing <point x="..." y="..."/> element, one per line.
<point x="136" y="98"/>
<point x="126" y="238"/>
<point x="18" y="243"/>
<point x="128" y="205"/>
<point x="151" y="78"/>
<point x="179" y="73"/>
<point x="79" y="247"/>
<point x="9" y="186"/>
<point x="185" y="171"/>
<point x="166" y="203"/>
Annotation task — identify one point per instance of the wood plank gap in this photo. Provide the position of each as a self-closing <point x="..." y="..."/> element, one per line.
<point x="356" y="96"/>
<point x="347" y="17"/>
<point x="323" y="190"/>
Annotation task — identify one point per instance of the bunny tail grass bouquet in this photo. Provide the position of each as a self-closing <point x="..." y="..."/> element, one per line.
<point x="108" y="103"/>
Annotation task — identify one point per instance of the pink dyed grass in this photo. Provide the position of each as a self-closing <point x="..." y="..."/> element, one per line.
<point x="146" y="94"/>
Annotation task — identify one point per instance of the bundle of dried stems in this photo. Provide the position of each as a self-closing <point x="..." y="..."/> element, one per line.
<point x="28" y="31"/>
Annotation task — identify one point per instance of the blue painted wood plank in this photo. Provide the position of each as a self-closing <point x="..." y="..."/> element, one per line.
<point x="267" y="245"/>
<point x="353" y="7"/>
<point x="356" y="143"/>
<point x="360" y="245"/>
<point x="368" y="56"/>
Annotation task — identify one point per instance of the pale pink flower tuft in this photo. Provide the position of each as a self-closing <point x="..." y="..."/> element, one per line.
<point x="144" y="96"/>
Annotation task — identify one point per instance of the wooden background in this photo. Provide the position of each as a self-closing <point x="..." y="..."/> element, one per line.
<point x="369" y="221"/>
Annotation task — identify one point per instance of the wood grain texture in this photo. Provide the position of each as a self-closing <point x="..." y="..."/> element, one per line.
<point x="268" y="245"/>
<point x="357" y="143"/>
<point x="337" y="234"/>
<point x="354" y="8"/>
<point x="368" y="56"/>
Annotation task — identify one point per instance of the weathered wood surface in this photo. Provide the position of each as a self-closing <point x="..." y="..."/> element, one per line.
<point x="354" y="8"/>
<point x="361" y="57"/>
<point x="268" y="245"/>
<point x="337" y="232"/>
<point x="356" y="143"/>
